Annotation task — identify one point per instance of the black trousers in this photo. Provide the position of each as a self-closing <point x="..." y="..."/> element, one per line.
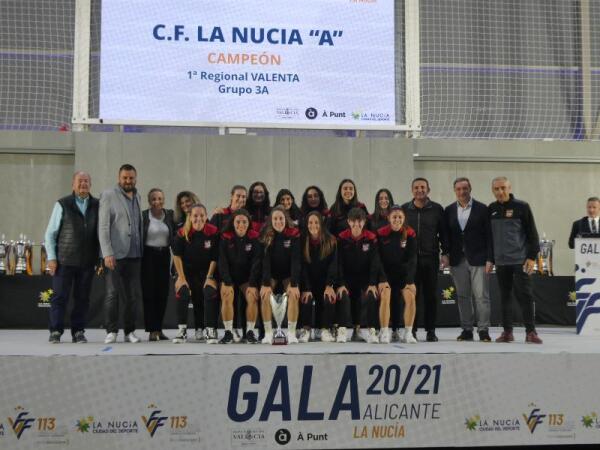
<point x="196" y="280"/>
<point x="155" y="285"/>
<point x="364" y="308"/>
<point x="321" y="313"/>
<point x="80" y="280"/>
<point x="512" y="278"/>
<point x="426" y="280"/>
<point x="122" y="285"/>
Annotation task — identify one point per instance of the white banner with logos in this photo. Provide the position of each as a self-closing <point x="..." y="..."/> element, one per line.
<point x="298" y="401"/>
<point x="314" y="62"/>
<point x="587" y="286"/>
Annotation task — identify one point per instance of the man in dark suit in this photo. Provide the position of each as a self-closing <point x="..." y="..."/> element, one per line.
<point x="588" y="224"/>
<point x="469" y="255"/>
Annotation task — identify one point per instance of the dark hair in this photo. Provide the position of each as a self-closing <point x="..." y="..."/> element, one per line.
<point x="178" y="215"/>
<point x="152" y="191"/>
<point x="378" y="213"/>
<point x="357" y="214"/>
<point x="593" y="199"/>
<point x="305" y="208"/>
<point x="327" y="242"/>
<point x="230" y="228"/>
<point x="294" y="211"/>
<point x="268" y="231"/>
<point x="336" y="208"/>
<point x="255" y="210"/>
<point x="127" y="167"/>
<point x="420" y="179"/>
<point x="460" y="180"/>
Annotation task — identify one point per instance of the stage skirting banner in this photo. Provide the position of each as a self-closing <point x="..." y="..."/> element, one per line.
<point x="587" y="286"/>
<point x="314" y="62"/>
<point x="298" y="401"/>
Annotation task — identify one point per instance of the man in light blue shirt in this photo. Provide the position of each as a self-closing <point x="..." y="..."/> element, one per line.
<point x="73" y="250"/>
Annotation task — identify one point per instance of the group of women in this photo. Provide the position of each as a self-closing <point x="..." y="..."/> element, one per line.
<point x="340" y="267"/>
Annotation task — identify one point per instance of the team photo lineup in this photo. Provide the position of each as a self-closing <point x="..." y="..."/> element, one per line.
<point x="337" y="272"/>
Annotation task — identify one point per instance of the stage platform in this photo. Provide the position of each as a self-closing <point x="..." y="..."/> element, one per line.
<point x="162" y="395"/>
<point x="35" y="343"/>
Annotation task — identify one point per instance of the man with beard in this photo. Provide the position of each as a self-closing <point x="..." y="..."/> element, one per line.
<point x="120" y="234"/>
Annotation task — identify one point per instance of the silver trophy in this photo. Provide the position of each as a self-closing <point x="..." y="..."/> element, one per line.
<point x="4" y="252"/>
<point x="544" y="264"/>
<point x="19" y="247"/>
<point x="279" y="308"/>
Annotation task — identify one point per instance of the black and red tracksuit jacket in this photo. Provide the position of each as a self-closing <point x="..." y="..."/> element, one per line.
<point x="398" y="256"/>
<point x="239" y="259"/>
<point x="319" y="273"/>
<point x="221" y="220"/>
<point x="358" y="259"/>
<point x="282" y="259"/>
<point x="339" y="222"/>
<point x="259" y="217"/>
<point x="200" y="251"/>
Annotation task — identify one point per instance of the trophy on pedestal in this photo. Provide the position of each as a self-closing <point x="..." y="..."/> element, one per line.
<point x="544" y="260"/>
<point x="29" y="257"/>
<point x="279" y="308"/>
<point x="4" y="254"/>
<point x="19" y="249"/>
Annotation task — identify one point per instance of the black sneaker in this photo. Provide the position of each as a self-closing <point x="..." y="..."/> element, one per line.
<point x="162" y="337"/>
<point x="356" y="336"/>
<point x="79" y="338"/>
<point x="431" y="337"/>
<point x="484" y="336"/>
<point x="54" y="337"/>
<point x="466" y="335"/>
<point x="227" y="338"/>
<point x="250" y="337"/>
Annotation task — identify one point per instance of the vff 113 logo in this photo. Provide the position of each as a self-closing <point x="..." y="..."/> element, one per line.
<point x="157" y="420"/>
<point x="23" y="421"/>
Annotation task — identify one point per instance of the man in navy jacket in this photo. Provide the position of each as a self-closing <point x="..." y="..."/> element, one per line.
<point x="469" y="254"/>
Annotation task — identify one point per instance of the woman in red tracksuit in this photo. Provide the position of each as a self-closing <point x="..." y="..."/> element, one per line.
<point x="239" y="271"/>
<point x="398" y="253"/>
<point x="280" y="269"/>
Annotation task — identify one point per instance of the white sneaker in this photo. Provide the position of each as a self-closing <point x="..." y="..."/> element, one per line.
<point x="181" y="336"/>
<point x="131" y="337"/>
<point x="342" y="336"/>
<point x="384" y="336"/>
<point x="396" y="336"/>
<point x="268" y="339"/>
<point x="326" y="336"/>
<point x="291" y="338"/>
<point x="409" y="338"/>
<point x="212" y="336"/>
<point x="304" y="336"/>
<point x="200" y="335"/>
<point x="237" y="335"/>
<point x="372" y="337"/>
<point x="110" y="338"/>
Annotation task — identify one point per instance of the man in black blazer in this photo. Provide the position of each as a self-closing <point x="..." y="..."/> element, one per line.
<point x="589" y="224"/>
<point x="469" y="255"/>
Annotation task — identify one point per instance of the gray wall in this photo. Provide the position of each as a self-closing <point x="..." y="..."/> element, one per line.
<point x="554" y="177"/>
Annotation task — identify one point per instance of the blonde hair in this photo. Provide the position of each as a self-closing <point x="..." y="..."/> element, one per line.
<point x="187" y="226"/>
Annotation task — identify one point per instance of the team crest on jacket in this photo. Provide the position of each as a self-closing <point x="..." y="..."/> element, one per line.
<point x="287" y="243"/>
<point x="207" y="244"/>
<point x="509" y="213"/>
<point x="248" y="247"/>
<point x="365" y="247"/>
<point x="403" y="244"/>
